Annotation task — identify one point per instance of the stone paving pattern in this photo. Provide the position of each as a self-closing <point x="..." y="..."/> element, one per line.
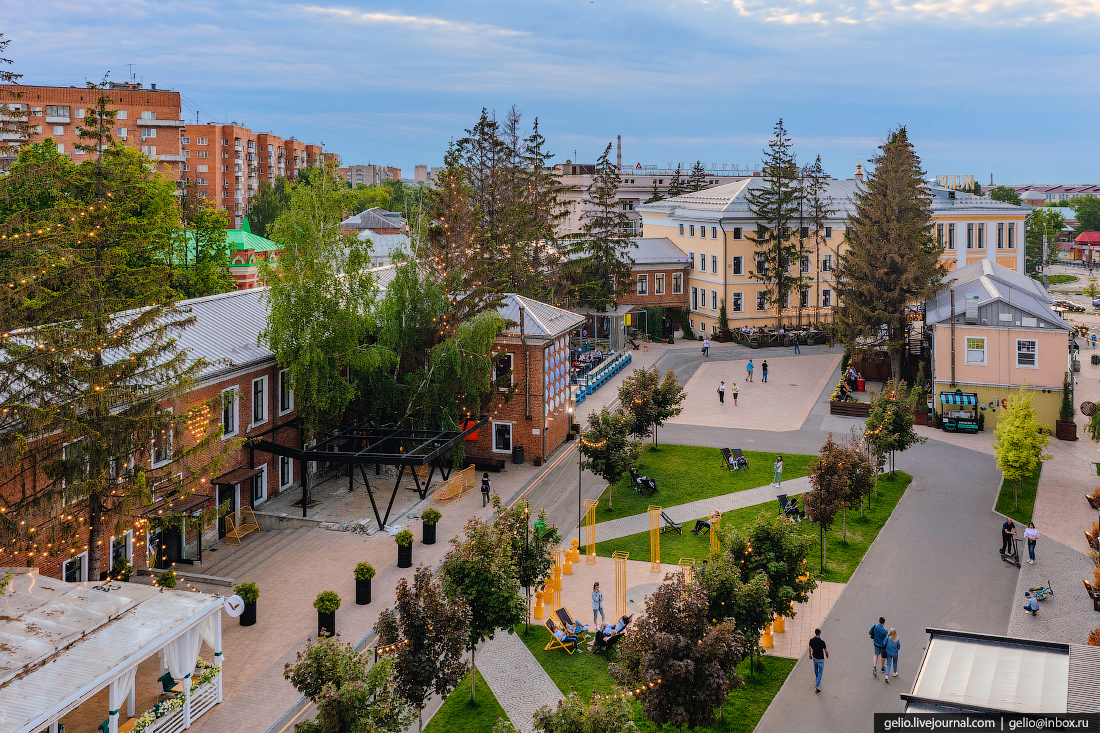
<point x="518" y="681"/>
<point x="1067" y="616"/>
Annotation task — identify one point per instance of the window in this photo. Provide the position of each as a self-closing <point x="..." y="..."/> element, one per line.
<point x="1027" y="354"/>
<point x="162" y="443"/>
<point x="58" y="129"/>
<point x="200" y="181"/>
<point x="229" y="412"/>
<point x="681" y="230"/>
<point x="981" y="236"/>
<point x="951" y="236"/>
<point x="57" y="110"/>
<point x="692" y="229"/>
<point x="75" y="570"/>
<point x="939" y="234"/>
<point x="714" y="264"/>
<point x="71" y="452"/>
<point x="259" y="403"/>
<point x="148" y="115"/>
<point x="80" y="113"/>
<point x="737" y="233"/>
<point x="122" y="548"/>
<point x="738" y="265"/>
<point x="201" y="168"/>
<point x="643" y="284"/>
<point x="761" y="300"/>
<point x="702" y="262"/>
<point x="201" y="154"/>
<point x="185" y="140"/>
<point x="60" y="148"/>
<point x="677" y="283"/>
<point x="149" y="150"/>
<point x="714" y="300"/>
<point x="503" y="369"/>
<point x="201" y="141"/>
<point x="692" y="256"/>
<point x="120" y="115"/>
<point x="692" y="324"/>
<point x="1001" y="235"/>
<point x="970" y="236"/>
<point x="258" y="486"/>
<point x="286" y="393"/>
<point x="828" y="232"/>
<point x="804" y="232"/>
<point x="826" y="263"/>
<point x="975" y="350"/>
<point x="826" y="298"/>
<point x="761" y="265"/>
<point x="714" y="234"/>
<point x="147" y="132"/>
<point x="658" y="284"/>
<point x="803" y="298"/>
<point x="1011" y="235"/>
<point x="695" y="299"/>
<point x="286" y="471"/>
<point x="738" y="302"/>
<point x="502" y="437"/>
<point x="804" y="264"/>
<point x="714" y="328"/>
<point x="225" y="141"/>
<point x="120" y="133"/>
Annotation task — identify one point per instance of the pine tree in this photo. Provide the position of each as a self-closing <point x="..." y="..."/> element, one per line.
<point x="775" y="206"/>
<point x="545" y="208"/>
<point x="892" y="260"/>
<point x="676" y="186"/>
<point x="817" y="207"/>
<point x="655" y="196"/>
<point x="1019" y="440"/>
<point x="697" y="181"/>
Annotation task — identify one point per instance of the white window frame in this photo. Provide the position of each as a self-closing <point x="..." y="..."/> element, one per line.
<point x="804" y="264"/>
<point x="511" y="435"/>
<point x="714" y="264"/>
<point x="148" y="132"/>
<point x="643" y="284"/>
<point x="737" y="302"/>
<point x="659" y="284"/>
<point x="1034" y="353"/>
<point x="284" y="379"/>
<point x="1012" y="235"/>
<point x="236" y="412"/>
<point x="981" y="235"/>
<point x="677" y="283"/>
<point x="826" y="295"/>
<point x="974" y="355"/>
<point x="714" y="300"/>
<point x="83" y="568"/>
<point x="691" y="255"/>
<point x="120" y="114"/>
<point x="695" y="298"/>
<point x="970" y="236"/>
<point x="128" y="538"/>
<point x="691" y="228"/>
<point x="681" y="230"/>
<point x="761" y="301"/>
<point x="262" y="403"/>
<point x="1000" y="235"/>
<point x="702" y="262"/>
<point x="738" y="265"/>
<point x="828" y="232"/>
<point x="263" y="487"/>
<point x="803" y="298"/>
<point x="511" y="369"/>
<point x="738" y="233"/>
<point x="289" y="462"/>
<point x="153" y="463"/>
<point x="826" y="263"/>
<point x="714" y="234"/>
<point x="951" y="236"/>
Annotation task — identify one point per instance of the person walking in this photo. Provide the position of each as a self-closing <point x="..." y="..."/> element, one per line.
<point x="486" y="487"/>
<point x="818" y="653"/>
<point x="878" y="635"/>
<point x="597" y="603"/>
<point x="706" y="346"/>
<point x="764" y="371"/>
<point x="733" y="391"/>
<point x="1032" y="536"/>
<point x="778" y="471"/>
<point x="748" y="370"/>
<point x="796" y="349"/>
<point x="721" y="393"/>
<point x="892" y="647"/>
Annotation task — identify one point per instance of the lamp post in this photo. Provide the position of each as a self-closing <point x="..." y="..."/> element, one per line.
<point x="580" y="511"/>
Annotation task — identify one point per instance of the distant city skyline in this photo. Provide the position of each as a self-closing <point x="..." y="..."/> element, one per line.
<point x="997" y="89"/>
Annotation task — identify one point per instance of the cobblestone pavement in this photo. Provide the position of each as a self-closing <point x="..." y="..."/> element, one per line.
<point x="518" y="681"/>
<point x="1065" y="617"/>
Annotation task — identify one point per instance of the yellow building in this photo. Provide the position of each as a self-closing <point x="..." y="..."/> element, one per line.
<point x="715" y="227"/>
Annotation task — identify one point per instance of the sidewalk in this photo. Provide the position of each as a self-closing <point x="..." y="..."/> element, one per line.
<point x="518" y="681"/>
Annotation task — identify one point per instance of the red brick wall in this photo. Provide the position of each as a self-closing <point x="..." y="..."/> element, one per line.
<point x="668" y="298"/>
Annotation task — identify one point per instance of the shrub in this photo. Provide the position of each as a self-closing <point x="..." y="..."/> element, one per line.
<point x="1065" y="414"/>
<point x="364" y="571"/>
<point x="327" y="601"/>
<point x="431" y="516"/>
<point x="404" y="538"/>
<point x="122" y="570"/>
<point x="167" y="579"/>
<point x="248" y="592"/>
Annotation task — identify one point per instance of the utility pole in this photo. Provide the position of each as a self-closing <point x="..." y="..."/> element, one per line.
<point x="1043" y="266"/>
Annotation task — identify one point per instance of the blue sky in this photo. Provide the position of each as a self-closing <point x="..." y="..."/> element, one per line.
<point x="1001" y="87"/>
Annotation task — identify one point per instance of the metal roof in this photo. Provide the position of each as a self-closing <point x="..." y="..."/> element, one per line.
<point x="386" y="244"/>
<point x="541" y="320"/>
<point x="992" y="282"/>
<point x="374" y="218"/>
<point x="658" y="251"/>
<point x="61" y="643"/>
<point x="226" y="329"/>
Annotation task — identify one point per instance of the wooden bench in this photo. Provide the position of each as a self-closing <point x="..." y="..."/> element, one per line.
<point x="248" y="524"/>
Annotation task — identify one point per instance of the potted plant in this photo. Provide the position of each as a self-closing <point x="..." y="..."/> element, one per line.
<point x="404" y="540"/>
<point x="364" y="571"/>
<point x="122" y="570"/>
<point x="431" y="518"/>
<point x="1094" y="498"/>
<point x="1064" y="427"/>
<point x="1093" y="536"/>
<point x="326" y="603"/>
<point x="167" y="579"/>
<point x="248" y="592"/>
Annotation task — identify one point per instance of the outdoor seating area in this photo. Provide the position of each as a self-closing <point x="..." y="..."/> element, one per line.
<point x="756" y="338"/>
<point x="234" y="532"/>
<point x="591" y="379"/>
<point x="734" y="459"/>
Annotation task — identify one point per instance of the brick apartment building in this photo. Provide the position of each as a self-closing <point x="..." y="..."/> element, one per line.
<point x="147" y="119"/>
<point x="659" y="274"/>
<point x="227" y="163"/>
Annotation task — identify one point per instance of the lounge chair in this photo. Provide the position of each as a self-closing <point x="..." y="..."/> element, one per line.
<point x="568" y="622"/>
<point x="670" y="526"/>
<point x="644" y="485"/>
<point x="790" y="508"/>
<point x="606" y="642"/>
<point x="555" y="642"/>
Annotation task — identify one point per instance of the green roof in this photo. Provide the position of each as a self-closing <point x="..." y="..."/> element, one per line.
<point x="243" y="239"/>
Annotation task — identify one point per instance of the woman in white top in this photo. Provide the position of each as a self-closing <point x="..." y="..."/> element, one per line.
<point x="597" y="603"/>
<point x="1031" y="535"/>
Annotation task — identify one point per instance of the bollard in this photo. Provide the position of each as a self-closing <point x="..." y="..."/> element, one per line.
<point x="766" y="638"/>
<point x="780" y="624"/>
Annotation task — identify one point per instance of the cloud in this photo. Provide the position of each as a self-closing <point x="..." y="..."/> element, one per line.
<point x="416" y="22"/>
<point x="946" y="12"/>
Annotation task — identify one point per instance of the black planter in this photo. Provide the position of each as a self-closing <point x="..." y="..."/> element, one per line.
<point x="362" y="592"/>
<point x="404" y="556"/>
<point x="429" y="534"/>
<point x="326" y="623"/>
<point x="248" y="618"/>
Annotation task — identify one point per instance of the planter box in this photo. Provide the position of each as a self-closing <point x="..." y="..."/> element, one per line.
<point x="404" y="556"/>
<point x="326" y="624"/>
<point x="920" y="415"/>
<point x="429" y="534"/>
<point x="850" y="409"/>
<point x="1065" y="430"/>
<point x="248" y="618"/>
<point x="362" y="592"/>
<point x="203" y="698"/>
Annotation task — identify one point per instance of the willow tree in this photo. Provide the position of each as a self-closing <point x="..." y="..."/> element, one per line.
<point x="892" y="260"/>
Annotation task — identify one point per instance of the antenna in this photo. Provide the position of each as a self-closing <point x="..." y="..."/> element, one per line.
<point x="131" y="73"/>
<point x="619" y="152"/>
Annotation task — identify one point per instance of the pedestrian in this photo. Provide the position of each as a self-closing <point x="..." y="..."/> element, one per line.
<point x="1032" y="536"/>
<point x="796" y="349"/>
<point x="721" y="393"/>
<point x="893" y="646"/>
<point x="748" y="370"/>
<point x="778" y="471"/>
<point x="1008" y="535"/>
<point x="764" y="371"/>
<point x="486" y="486"/>
<point x="1030" y="605"/>
<point x="706" y="346"/>
<point x="733" y="391"/>
<point x="597" y="603"/>
<point x="818" y="653"/>
<point x="878" y="635"/>
<point x="1094" y="341"/>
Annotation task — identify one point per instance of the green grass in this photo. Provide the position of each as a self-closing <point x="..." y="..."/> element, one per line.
<point x="585" y="673"/>
<point x="1028" y="487"/>
<point x="1056" y="279"/>
<point x="843" y="555"/>
<point x="687" y="473"/>
<point x="457" y="715"/>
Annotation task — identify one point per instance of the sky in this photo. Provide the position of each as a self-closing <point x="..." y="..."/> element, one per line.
<point x="1001" y="88"/>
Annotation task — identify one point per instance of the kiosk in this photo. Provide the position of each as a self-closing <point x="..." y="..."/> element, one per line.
<point x="960" y="411"/>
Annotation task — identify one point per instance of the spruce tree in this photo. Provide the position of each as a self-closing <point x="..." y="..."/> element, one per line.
<point x="697" y="181"/>
<point x="676" y="186"/>
<point x="655" y="196"/>
<point x="775" y="206"/>
<point x="817" y="207"/>
<point x="545" y="208"/>
<point x="14" y="116"/>
<point x="892" y="260"/>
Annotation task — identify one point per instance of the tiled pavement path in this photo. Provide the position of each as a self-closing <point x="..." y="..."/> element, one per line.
<point x="518" y="681"/>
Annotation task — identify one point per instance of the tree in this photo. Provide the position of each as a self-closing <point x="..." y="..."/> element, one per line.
<point x="334" y="677"/>
<point x="976" y="189"/>
<point x="611" y="713"/>
<point x="1042" y="224"/>
<point x="650" y="401"/>
<point x="86" y="381"/>
<point x="542" y="197"/>
<point x="747" y="604"/>
<point x="270" y="202"/>
<point x="683" y="665"/>
<point x="601" y="259"/>
<point x="892" y="259"/>
<point x="655" y="196"/>
<point x="1018" y="441"/>
<point x="697" y="181"/>
<point x="200" y="256"/>
<point x="817" y="208"/>
<point x="1005" y="194"/>
<point x="775" y="547"/>
<point x="14" y="124"/>
<point x="889" y="425"/>
<point x="676" y="185"/>
<point x="532" y="547"/>
<point x="774" y="205"/>
<point x="480" y="569"/>
<point x="1087" y="209"/>
<point x="606" y="446"/>
<point x="425" y="634"/>
<point x="829" y="492"/>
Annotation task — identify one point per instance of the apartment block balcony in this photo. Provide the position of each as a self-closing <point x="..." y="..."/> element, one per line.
<point x="155" y="123"/>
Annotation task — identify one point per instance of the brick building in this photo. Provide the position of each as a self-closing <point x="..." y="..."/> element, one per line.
<point x="369" y="175"/>
<point x="227" y="163"/>
<point x="659" y="274"/>
<point x="147" y="119"/>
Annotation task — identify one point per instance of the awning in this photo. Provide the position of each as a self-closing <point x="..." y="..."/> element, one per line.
<point x="237" y="475"/>
<point x="175" y="507"/>
<point x="959" y="398"/>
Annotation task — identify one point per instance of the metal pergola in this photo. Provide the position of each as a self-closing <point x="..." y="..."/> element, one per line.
<point x="355" y="445"/>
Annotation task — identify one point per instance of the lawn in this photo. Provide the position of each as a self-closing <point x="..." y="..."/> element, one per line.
<point x="457" y="715"/>
<point x="843" y="556"/>
<point x="1028" y="487"/>
<point x="687" y="473"/>
<point x="586" y="673"/>
<point x="1056" y="279"/>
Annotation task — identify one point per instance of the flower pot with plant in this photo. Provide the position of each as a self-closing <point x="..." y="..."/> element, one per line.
<point x="1094" y="498"/>
<point x="167" y="579"/>
<point x="1064" y="427"/>
<point x="404" y="540"/>
<point x="248" y="592"/>
<point x="431" y="518"/>
<point x="364" y="571"/>
<point x="1093" y="536"/>
<point x="326" y="603"/>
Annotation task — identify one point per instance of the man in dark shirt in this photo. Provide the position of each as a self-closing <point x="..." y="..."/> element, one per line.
<point x="1008" y="534"/>
<point x="818" y="653"/>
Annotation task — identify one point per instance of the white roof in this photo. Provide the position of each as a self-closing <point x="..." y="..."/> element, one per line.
<point x="60" y="643"/>
<point x="541" y="320"/>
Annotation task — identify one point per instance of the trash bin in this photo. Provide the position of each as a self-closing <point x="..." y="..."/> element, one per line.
<point x="861" y="385"/>
<point x="517" y="455"/>
<point x="1096" y="358"/>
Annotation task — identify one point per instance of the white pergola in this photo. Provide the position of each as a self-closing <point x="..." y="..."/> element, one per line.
<point x="61" y="643"/>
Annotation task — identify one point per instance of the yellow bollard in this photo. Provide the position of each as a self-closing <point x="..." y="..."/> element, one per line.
<point x="654" y="539"/>
<point x="766" y="638"/>
<point x="780" y="624"/>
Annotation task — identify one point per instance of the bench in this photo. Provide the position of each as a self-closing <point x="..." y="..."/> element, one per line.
<point x="248" y="524"/>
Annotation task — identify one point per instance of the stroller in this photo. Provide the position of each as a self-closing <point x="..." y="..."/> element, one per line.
<point x="644" y="485"/>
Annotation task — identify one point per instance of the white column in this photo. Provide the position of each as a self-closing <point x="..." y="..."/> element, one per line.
<point x="1020" y="248"/>
<point x="186" y="683"/>
<point x="219" y="657"/>
<point x="991" y="241"/>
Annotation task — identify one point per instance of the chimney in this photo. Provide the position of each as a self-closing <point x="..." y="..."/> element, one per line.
<point x="859" y="172"/>
<point x="619" y="152"/>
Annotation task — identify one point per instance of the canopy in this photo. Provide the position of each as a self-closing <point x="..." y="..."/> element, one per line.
<point x="959" y="398"/>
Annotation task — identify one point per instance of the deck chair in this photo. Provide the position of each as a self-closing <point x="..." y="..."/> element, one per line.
<point x="555" y="642"/>
<point x="670" y="526"/>
<point x="606" y="642"/>
<point x="739" y="459"/>
<point x="790" y="509"/>
<point x="568" y="622"/>
<point x="726" y="459"/>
